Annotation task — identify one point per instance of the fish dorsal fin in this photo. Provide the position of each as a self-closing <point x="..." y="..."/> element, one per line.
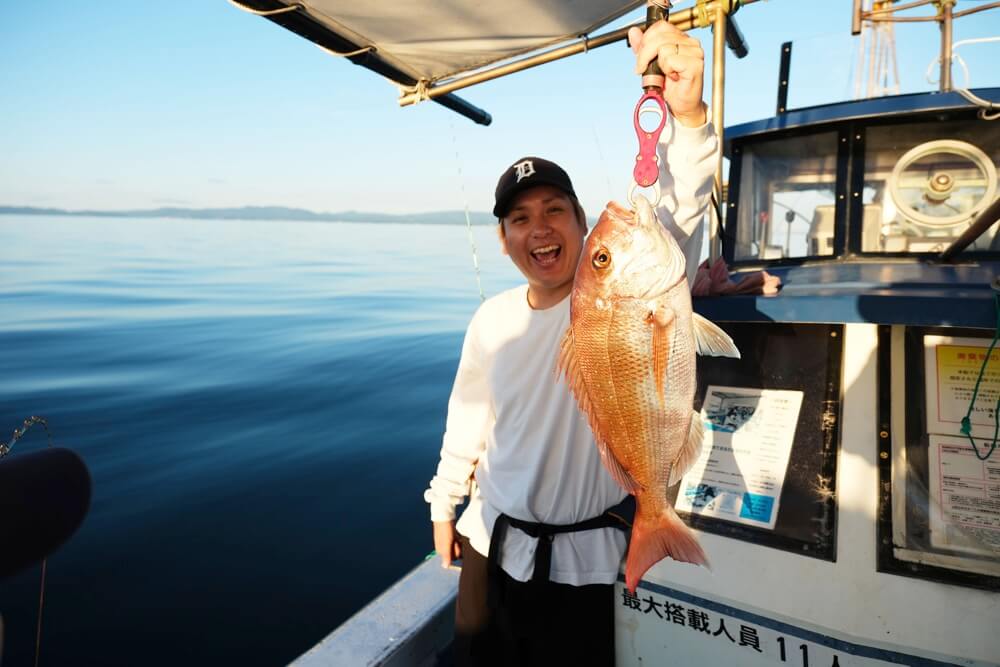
<point x="690" y="451"/>
<point x="662" y="320"/>
<point x="711" y="340"/>
<point x="569" y="367"/>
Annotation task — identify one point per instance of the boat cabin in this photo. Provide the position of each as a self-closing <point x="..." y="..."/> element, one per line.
<point x="848" y="516"/>
<point x="872" y="179"/>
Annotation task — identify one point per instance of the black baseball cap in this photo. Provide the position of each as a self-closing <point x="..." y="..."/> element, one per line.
<point x="528" y="172"/>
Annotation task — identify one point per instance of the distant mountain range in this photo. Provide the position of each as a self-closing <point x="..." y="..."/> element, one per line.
<point x="267" y="213"/>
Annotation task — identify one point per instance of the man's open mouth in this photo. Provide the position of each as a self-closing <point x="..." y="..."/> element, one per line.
<point x="546" y="255"/>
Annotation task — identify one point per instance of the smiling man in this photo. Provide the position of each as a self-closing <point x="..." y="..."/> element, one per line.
<point x="540" y="549"/>
<point x="542" y="227"/>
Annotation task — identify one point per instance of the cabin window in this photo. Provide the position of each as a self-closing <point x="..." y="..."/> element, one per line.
<point x="939" y="514"/>
<point x="787" y="198"/>
<point x="766" y="472"/>
<point x="924" y="183"/>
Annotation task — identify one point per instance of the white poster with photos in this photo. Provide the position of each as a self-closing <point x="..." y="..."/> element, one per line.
<point x="741" y="470"/>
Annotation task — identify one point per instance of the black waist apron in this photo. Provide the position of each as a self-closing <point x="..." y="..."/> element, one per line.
<point x="620" y="516"/>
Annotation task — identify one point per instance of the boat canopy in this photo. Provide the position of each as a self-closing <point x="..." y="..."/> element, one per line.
<point x="449" y="38"/>
<point x="453" y="38"/>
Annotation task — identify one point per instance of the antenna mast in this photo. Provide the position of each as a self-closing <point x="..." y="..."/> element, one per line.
<point x="877" y="71"/>
<point x="874" y="19"/>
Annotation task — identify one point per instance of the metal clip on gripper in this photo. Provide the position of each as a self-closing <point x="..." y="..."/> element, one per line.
<point x="647" y="163"/>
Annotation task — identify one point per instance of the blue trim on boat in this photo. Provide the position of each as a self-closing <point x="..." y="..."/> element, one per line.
<point x="833" y="643"/>
<point x="915" y="293"/>
<point x="880" y="108"/>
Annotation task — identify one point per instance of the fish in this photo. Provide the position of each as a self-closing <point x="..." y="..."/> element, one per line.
<point x="628" y="356"/>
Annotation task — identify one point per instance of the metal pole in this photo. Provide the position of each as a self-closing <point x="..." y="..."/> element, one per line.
<point x="718" y="120"/>
<point x="685" y="19"/>
<point x="859" y="66"/>
<point x="892" y="9"/>
<point x="856" y="18"/>
<point x="977" y="228"/>
<point x="975" y="10"/>
<point x="946" y="40"/>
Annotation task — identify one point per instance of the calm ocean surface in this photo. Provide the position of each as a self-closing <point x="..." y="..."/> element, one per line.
<point x="260" y="405"/>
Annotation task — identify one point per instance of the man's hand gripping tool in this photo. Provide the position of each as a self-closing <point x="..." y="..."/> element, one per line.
<point x="647" y="163"/>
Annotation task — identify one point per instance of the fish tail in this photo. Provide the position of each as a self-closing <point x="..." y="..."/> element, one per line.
<point x="656" y="537"/>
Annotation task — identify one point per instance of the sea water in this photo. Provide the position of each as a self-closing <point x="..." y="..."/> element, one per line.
<point x="260" y="405"/>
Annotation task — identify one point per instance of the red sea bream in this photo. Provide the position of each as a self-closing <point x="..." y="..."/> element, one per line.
<point x="629" y="358"/>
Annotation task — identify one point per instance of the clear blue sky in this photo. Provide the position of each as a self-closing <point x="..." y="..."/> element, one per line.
<point x="121" y="104"/>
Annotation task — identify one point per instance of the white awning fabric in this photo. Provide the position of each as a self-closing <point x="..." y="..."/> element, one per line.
<point x="431" y="40"/>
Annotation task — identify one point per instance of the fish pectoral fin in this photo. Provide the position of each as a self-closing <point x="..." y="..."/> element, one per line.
<point x="690" y="451"/>
<point x="711" y="340"/>
<point x="663" y="316"/>
<point x="569" y="367"/>
<point x="662" y="320"/>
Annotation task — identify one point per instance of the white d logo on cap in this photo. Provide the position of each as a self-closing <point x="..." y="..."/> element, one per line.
<point x="524" y="169"/>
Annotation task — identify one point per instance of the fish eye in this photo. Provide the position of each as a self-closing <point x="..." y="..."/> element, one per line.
<point x="602" y="258"/>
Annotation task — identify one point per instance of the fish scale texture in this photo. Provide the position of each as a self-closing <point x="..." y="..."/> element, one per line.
<point x="629" y="357"/>
<point x="614" y="350"/>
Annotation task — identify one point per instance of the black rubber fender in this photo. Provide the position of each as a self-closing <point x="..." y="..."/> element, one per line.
<point x="44" y="497"/>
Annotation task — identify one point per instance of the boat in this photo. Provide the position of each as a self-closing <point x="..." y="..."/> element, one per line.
<point x="848" y="494"/>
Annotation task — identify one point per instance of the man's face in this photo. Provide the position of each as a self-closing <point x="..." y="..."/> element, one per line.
<point x="543" y="238"/>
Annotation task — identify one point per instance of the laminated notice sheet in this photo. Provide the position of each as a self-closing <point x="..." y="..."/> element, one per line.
<point x="952" y="366"/>
<point x="965" y="497"/>
<point x="748" y="439"/>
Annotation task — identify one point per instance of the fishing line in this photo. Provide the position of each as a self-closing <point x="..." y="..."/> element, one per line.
<point x="5" y="448"/>
<point x="468" y="219"/>
<point x="601" y="159"/>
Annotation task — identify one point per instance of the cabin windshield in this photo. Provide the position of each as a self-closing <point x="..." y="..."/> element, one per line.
<point x="926" y="182"/>
<point x="903" y="188"/>
<point x="787" y="198"/>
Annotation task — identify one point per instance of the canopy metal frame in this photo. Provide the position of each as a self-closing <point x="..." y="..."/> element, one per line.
<point x="703" y="14"/>
<point x="717" y="14"/>
<point x="295" y="17"/>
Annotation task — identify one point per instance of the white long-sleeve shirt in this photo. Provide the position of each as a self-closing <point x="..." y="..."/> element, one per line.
<point x="513" y="424"/>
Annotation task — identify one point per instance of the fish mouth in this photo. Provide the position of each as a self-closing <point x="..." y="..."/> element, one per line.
<point x="546" y="255"/>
